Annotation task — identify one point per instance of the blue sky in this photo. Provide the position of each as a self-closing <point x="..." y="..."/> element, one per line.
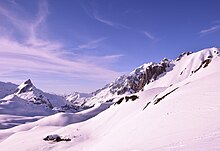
<point x="81" y="45"/>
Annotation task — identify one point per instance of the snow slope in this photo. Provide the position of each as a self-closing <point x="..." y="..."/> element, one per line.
<point x="187" y="66"/>
<point x="178" y="110"/>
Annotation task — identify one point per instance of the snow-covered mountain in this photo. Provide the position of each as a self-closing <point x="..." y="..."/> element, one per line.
<point x="171" y="105"/>
<point x="7" y="88"/>
<point x="144" y="77"/>
<point x="26" y="100"/>
<point x="129" y="84"/>
<point x="29" y="92"/>
<point x="147" y="75"/>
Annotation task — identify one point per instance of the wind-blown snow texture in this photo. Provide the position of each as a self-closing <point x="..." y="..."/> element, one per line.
<point x="171" y="105"/>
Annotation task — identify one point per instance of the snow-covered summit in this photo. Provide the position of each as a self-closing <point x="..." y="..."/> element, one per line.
<point x="150" y="72"/>
<point x="33" y="100"/>
<point x="186" y="66"/>
<point x="25" y="87"/>
<point x="29" y="92"/>
<point x="137" y="79"/>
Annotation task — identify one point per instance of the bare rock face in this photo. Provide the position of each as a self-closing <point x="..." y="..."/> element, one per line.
<point x="137" y="79"/>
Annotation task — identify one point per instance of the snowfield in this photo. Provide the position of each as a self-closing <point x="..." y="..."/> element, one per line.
<point x="177" y="111"/>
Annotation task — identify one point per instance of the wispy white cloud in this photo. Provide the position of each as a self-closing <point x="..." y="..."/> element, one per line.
<point x="29" y="28"/>
<point x="38" y="55"/>
<point x="93" y="13"/>
<point x="150" y="36"/>
<point x="18" y="57"/>
<point x="21" y="25"/>
<point x="103" y="60"/>
<point x="209" y="30"/>
<point x="91" y="44"/>
<point x="108" y="22"/>
<point x="36" y="24"/>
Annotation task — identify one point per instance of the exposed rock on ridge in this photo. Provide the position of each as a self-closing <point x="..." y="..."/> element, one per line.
<point x="137" y="79"/>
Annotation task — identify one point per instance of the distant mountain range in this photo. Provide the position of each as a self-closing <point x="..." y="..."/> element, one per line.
<point x="147" y="75"/>
<point x="170" y="105"/>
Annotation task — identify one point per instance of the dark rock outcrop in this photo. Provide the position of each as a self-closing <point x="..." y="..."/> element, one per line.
<point x="132" y="97"/>
<point x="56" y="138"/>
<point x="139" y="78"/>
<point x="204" y="64"/>
<point x="119" y="101"/>
<point x="182" y="55"/>
<point x="161" y="98"/>
<point x="146" y="105"/>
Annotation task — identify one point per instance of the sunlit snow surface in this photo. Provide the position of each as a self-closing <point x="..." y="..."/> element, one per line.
<point x="185" y="118"/>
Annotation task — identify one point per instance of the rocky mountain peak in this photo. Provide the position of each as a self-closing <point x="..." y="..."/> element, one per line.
<point x="28" y="82"/>
<point x="25" y="87"/>
<point x="141" y="76"/>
